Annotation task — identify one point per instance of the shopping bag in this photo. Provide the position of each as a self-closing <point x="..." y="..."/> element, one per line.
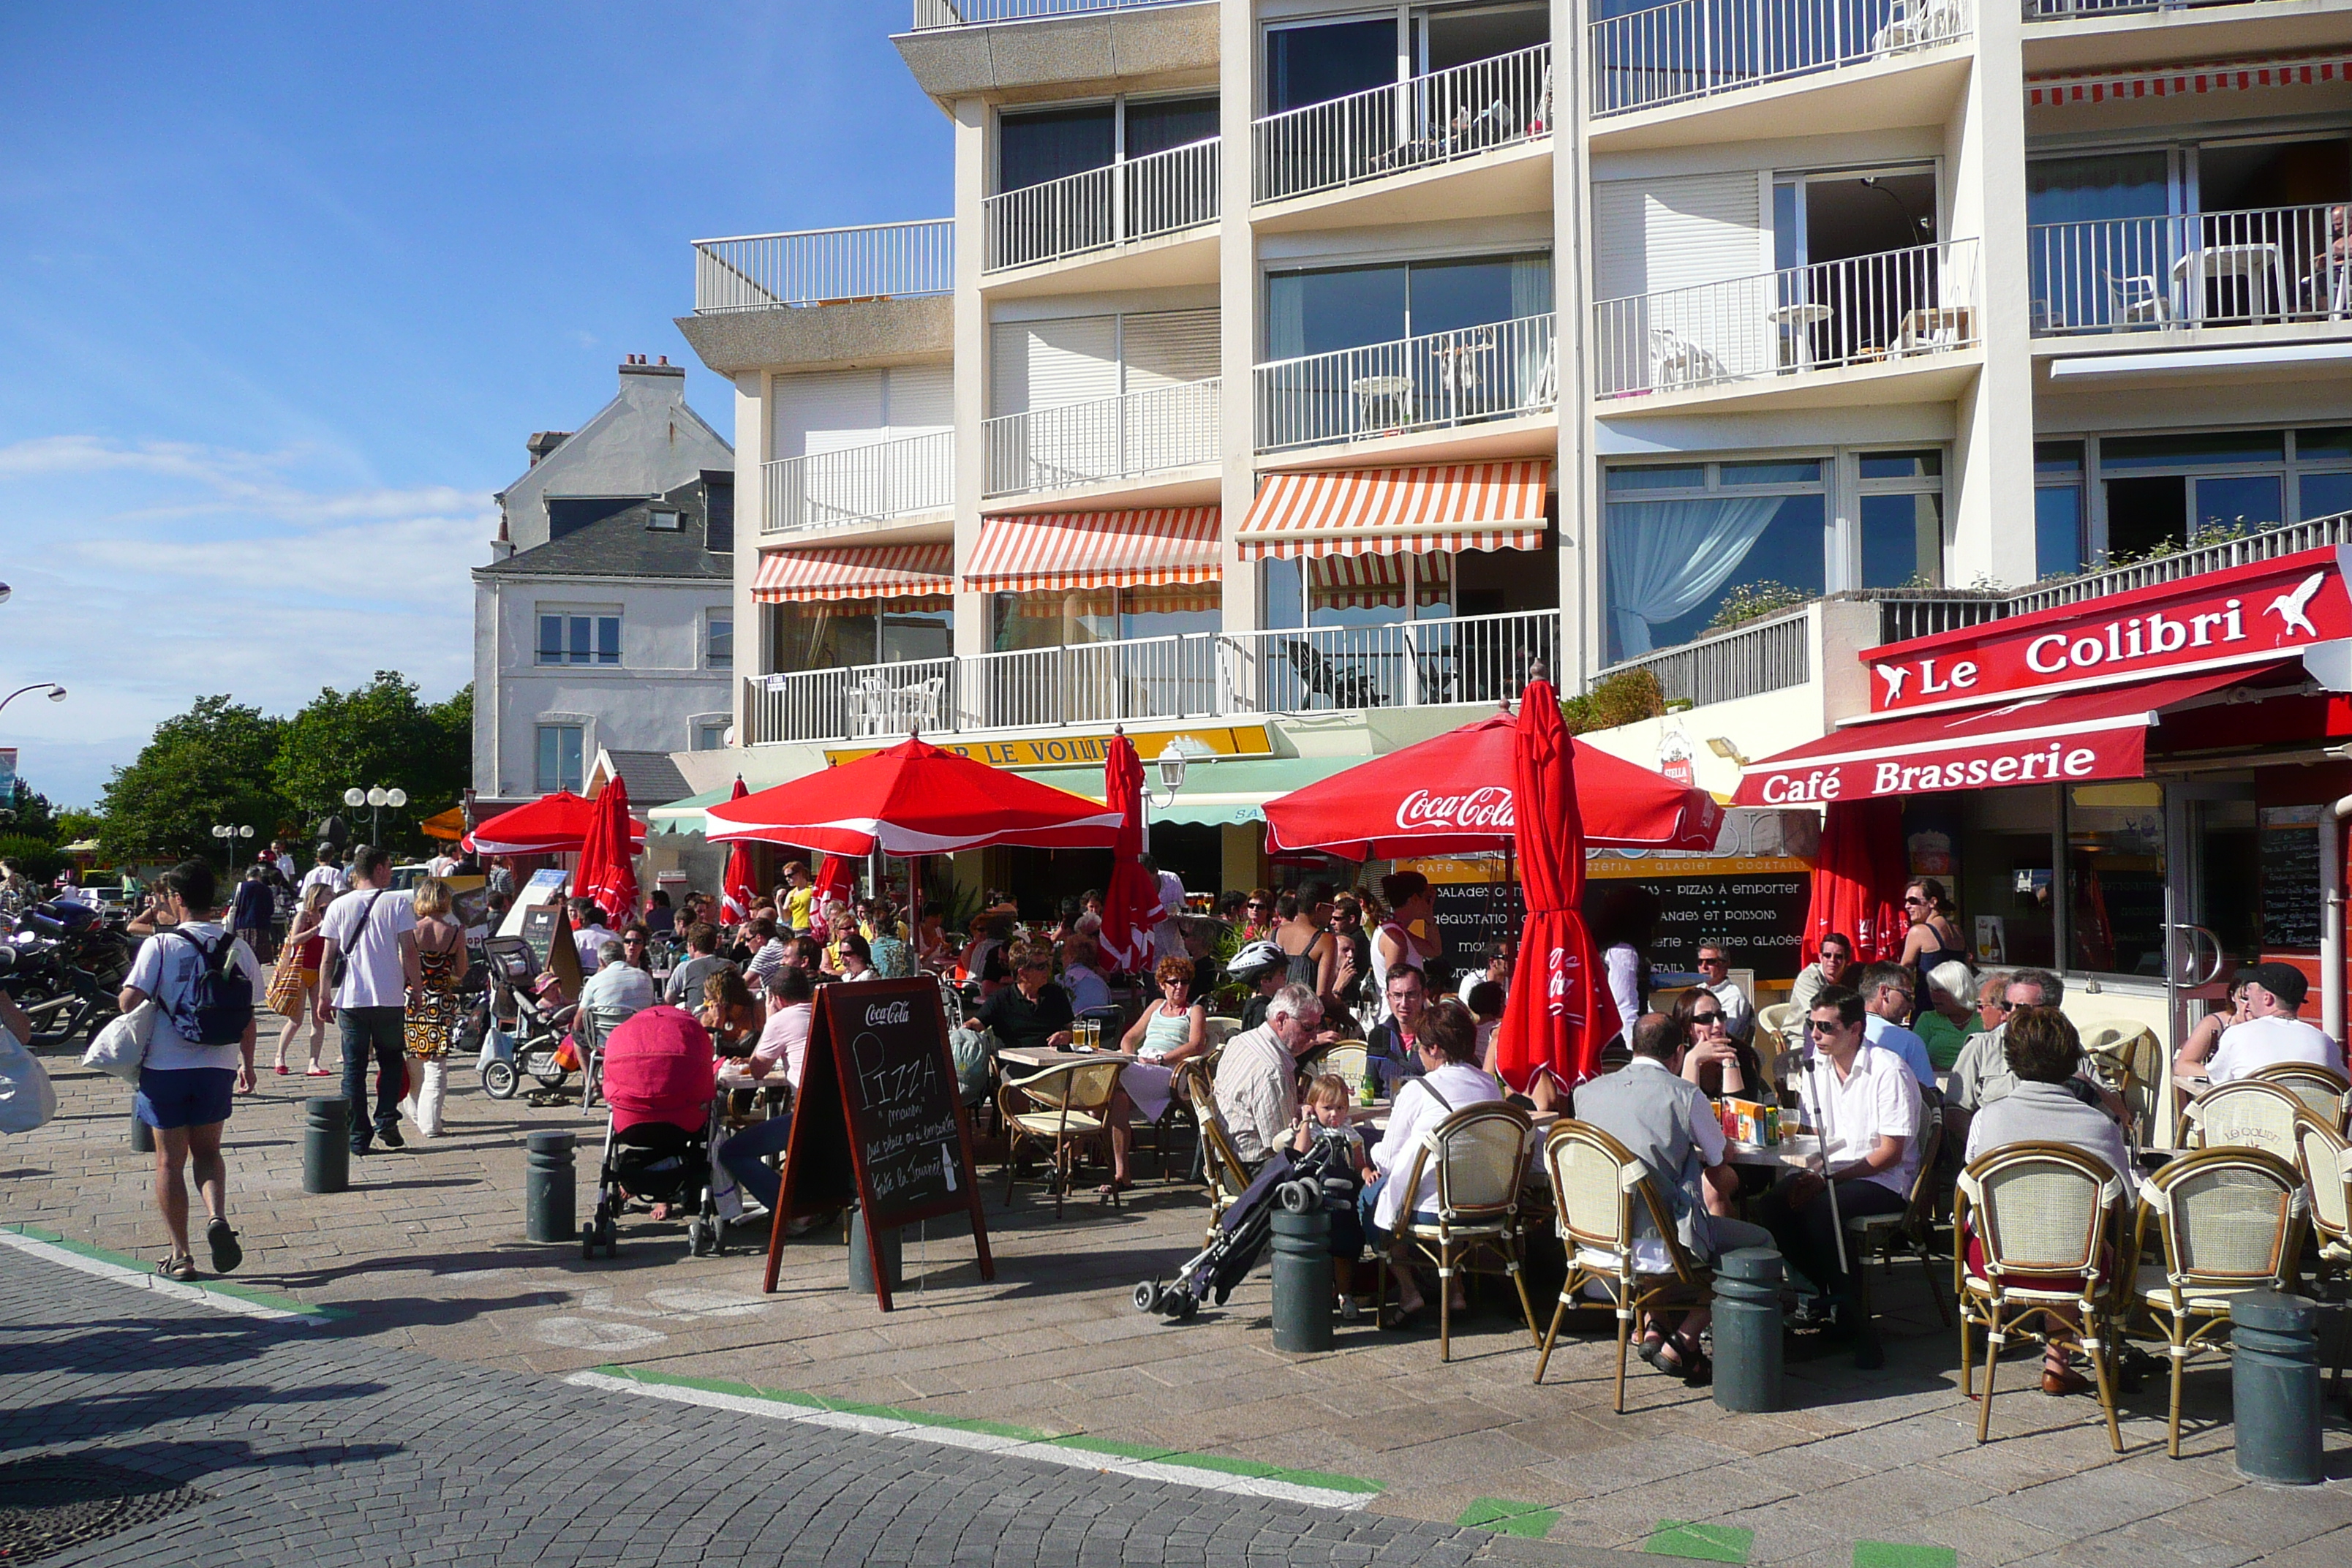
<point x="27" y="1099"/>
<point x="496" y="1047"/>
<point x="121" y="1047"/>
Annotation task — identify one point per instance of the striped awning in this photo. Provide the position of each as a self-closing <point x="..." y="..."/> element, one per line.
<point x="1374" y="581"/>
<point x="855" y="571"/>
<point x="1394" y="511"/>
<point x="1096" y="550"/>
<point x="2175" y="81"/>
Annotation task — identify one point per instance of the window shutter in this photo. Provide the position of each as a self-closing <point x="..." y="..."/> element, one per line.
<point x="1168" y="348"/>
<point x="1049" y="364"/>
<point x="827" y="411"/>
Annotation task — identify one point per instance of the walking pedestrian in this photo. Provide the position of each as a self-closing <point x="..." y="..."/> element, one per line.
<point x="367" y="957"/>
<point x="436" y="965"/>
<point x="326" y="872"/>
<point x="253" y="911"/>
<point x="294" y="983"/>
<point x="204" y="981"/>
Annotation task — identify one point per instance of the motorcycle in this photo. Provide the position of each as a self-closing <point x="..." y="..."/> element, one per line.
<point x="63" y="963"/>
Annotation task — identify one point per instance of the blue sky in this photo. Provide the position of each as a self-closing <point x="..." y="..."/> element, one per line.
<point x="284" y="288"/>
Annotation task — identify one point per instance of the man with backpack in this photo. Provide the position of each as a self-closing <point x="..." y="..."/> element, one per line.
<point x="204" y="983"/>
<point x="364" y="967"/>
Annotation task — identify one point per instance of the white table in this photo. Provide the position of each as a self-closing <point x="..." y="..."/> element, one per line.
<point x="1374" y="390"/>
<point x="2211" y="263"/>
<point x="1797" y="323"/>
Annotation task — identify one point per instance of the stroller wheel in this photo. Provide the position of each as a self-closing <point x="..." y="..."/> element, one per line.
<point x="499" y="1080"/>
<point x="588" y="1241"/>
<point x="1298" y="1197"/>
<point x="1186" y="1305"/>
<point x="1147" y="1296"/>
<point x="609" y="1235"/>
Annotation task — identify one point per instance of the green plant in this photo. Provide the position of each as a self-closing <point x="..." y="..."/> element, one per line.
<point x="36" y="858"/>
<point x="1749" y="602"/>
<point x="1626" y="698"/>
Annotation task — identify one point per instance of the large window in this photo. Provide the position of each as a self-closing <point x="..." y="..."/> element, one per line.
<point x="580" y="637"/>
<point x="1900" y="509"/>
<point x="1686" y="543"/>
<point x="1326" y="310"/>
<point x="2164" y="492"/>
<point x="560" y="764"/>
<point x="1068" y="618"/>
<point x="833" y="635"/>
<point x="1381" y="590"/>
<point x="1035" y="145"/>
<point x="1316" y="61"/>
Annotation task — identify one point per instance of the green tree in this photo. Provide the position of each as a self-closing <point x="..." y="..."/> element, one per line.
<point x="32" y="815"/>
<point x="208" y="766"/>
<point x="374" y="735"/>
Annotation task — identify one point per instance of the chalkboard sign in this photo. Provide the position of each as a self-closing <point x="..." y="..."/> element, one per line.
<point x="547" y="931"/>
<point x="878" y="1122"/>
<point x="1470" y="915"/>
<point x="2291" y="891"/>
<point x="1758" y="915"/>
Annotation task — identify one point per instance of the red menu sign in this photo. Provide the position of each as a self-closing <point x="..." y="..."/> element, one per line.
<point x="2243" y="615"/>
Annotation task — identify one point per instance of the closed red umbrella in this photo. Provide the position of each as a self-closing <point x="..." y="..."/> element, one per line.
<point x="1131" y="900"/>
<point x="1553" y="1019"/>
<point x="608" y="872"/>
<point x="915" y="799"/>
<point x="551" y="825"/>
<point x="1858" y="879"/>
<point x="735" y="886"/>
<point x="835" y="882"/>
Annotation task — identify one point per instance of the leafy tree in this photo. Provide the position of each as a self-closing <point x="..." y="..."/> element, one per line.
<point x="375" y="734"/>
<point x="73" y="826"/>
<point x="208" y="766"/>
<point x="33" y="817"/>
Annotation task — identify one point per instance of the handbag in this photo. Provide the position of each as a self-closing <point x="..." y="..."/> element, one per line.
<point x="120" y="1047"/>
<point x="27" y="1099"/>
<point x="284" y="997"/>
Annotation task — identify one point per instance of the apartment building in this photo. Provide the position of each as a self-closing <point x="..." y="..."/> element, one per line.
<point x="1315" y="367"/>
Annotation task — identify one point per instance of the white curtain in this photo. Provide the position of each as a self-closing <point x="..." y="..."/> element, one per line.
<point x="1666" y="558"/>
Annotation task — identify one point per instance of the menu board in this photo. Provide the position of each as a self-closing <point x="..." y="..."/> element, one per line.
<point x="1755" y="908"/>
<point x="878" y="1122"/>
<point x="1470" y="915"/>
<point x="2290" y="871"/>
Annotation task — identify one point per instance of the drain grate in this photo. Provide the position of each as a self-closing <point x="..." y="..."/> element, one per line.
<point x="48" y="1505"/>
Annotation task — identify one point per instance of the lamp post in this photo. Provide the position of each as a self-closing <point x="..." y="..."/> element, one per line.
<point x="376" y="798"/>
<point x="55" y="693"/>
<point x="1170" y="765"/>
<point x="229" y="837"/>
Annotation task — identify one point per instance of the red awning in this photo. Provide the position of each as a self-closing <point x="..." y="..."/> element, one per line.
<point x="2178" y="81"/>
<point x="855" y="571"/>
<point x="1390" y="511"/>
<point x="1096" y="550"/>
<point x="2069" y="739"/>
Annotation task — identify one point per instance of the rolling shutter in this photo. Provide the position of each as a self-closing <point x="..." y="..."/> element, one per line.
<point x="1049" y="364"/>
<point x="1650" y="235"/>
<point x="922" y="400"/>
<point x="1169" y="348"/>
<point x="827" y="411"/>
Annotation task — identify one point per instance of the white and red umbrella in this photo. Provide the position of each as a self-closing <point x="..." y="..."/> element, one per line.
<point x="551" y="825"/>
<point x="914" y="799"/>
<point x="1131" y="900"/>
<point x="735" y="893"/>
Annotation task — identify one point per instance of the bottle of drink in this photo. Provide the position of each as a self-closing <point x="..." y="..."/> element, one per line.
<point x="1369" y="1089"/>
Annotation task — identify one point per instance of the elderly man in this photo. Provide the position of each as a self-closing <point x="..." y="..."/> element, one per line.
<point x="1886" y="999"/>
<point x="1983" y="1075"/>
<point x="1739" y="1013"/>
<point x="2272" y="1034"/>
<point x="1992" y="1000"/>
<point x="618" y="989"/>
<point x="1829" y="969"/>
<point x="1257" y="1072"/>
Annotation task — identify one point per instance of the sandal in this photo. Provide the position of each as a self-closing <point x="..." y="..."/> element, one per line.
<point x="282" y="1070"/>
<point x="182" y="1269"/>
<point x="1653" y="1345"/>
<point x="227" y="1252"/>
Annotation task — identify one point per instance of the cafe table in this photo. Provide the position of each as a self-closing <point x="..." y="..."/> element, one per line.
<point x="1796" y="1153"/>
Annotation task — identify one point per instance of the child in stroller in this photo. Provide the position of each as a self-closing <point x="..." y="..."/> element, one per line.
<point x="660" y="1084"/>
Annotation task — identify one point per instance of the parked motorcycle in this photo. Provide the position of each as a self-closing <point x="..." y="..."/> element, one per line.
<point x="63" y="963"/>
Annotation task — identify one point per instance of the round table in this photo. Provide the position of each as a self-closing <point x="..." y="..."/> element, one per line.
<point x="1798" y="322"/>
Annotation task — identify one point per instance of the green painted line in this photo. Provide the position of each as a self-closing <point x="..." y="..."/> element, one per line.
<point x="1706" y="1542"/>
<point x="1892" y="1554"/>
<point x="714" y="1385"/>
<point x="1326" y="1480"/>
<point x="1508" y="1516"/>
<point x="1115" y="1448"/>
<point x="140" y="1266"/>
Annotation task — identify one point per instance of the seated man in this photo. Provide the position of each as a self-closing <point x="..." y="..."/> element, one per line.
<point x="782" y="1048"/>
<point x="1886" y="1001"/>
<point x="617" y="991"/>
<point x="1739" y="1013"/>
<point x="659" y="1080"/>
<point x="590" y="934"/>
<point x="1264" y="969"/>
<point x="1257" y="1073"/>
<point x="685" y="983"/>
<point x="1394" y="1047"/>
<point x="2272" y="1033"/>
<point x="1668" y="1123"/>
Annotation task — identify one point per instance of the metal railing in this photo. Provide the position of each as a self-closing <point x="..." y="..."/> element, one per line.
<point x="1109" y="438"/>
<point x="934" y="14"/>
<point x="1090" y="683"/>
<point x="1762" y="656"/>
<point x="1414" y="124"/>
<point x="1896" y="304"/>
<point x="1907" y="612"/>
<point x="2070" y="10"/>
<point x="2192" y="269"/>
<point x="1440" y="379"/>
<point x="859" y="484"/>
<point x="1696" y="49"/>
<point x="824" y="266"/>
<point x="1136" y="198"/>
<point x="851" y="703"/>
<point x="1477" y="659"/>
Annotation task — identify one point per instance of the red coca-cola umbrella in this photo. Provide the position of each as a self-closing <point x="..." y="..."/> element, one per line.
<point x="914" y="799"/>
<point x="551" y="825"/>
<point x="1131" y="900"/>
<point x="1451" y="794"/>
<point x="608" y="872"/>
<point x="735" y="893"/>
<point x="1552" y="1018"/>
<point x="1858" y="879"/>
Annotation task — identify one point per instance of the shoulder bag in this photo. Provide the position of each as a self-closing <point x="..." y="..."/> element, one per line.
<point x="343" y="953"/>
<point x="120" y="1047"/>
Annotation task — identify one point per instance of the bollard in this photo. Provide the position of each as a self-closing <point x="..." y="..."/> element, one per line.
<point x="1302" y="1281"/>
<point x="326" y="1145"/>
<point x="547" y="1192"/>
<point x="861" y="1263"/>
<point x="143" y="1136"/>
<point x="2274" y="1387"/>
<point x="1747" y="1330"/>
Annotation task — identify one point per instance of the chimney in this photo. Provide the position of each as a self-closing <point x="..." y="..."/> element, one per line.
<point x="543" y="442"/>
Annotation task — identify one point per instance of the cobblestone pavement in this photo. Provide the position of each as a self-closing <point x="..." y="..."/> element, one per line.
<point x="425" y="1254"/>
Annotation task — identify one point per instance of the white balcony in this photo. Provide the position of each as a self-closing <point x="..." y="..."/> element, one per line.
<point x="1135" y="199"/>
<point x="859" y="485"/>
<point x="2079" y="10"/>
<point x="1468" y="376"/>
<point x="1126" y="437"/>
<point x="935" y="13"/>
<point x="1422" y="123"/>
<point x="824" y="266"/>
<point x="1697" y="48"/>
<point x="1895" y="309"/>
<point x="2152" y="275"/>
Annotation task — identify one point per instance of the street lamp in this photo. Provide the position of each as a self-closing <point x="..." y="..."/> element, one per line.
<point x="1170" y="765"/>
<point x="57" y="693"/>
<point x="229" y="837"/>
<point x="376" y="798"/>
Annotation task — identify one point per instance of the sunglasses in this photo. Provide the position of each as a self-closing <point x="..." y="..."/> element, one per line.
<point x="1706" y="1017"/>
<point x="1815" y="1026"/>
<point x="1913" y="898"/>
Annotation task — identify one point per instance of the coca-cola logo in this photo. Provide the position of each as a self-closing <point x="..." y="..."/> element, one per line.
<point x="883" y="1013"/>
<point x="1482" y="810"/>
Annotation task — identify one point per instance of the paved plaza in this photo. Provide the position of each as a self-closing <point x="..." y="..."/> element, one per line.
<point x="423" y="1386"/>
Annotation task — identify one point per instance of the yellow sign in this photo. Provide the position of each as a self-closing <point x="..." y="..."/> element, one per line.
<point x="1607" y="865"/>
<point x="1079" y="750"/>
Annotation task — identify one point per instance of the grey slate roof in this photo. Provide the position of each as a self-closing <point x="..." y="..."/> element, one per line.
<point x="622" y="544"/>
<point x="652" y="778"/>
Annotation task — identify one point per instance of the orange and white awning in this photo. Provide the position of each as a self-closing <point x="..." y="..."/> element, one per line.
<point x="1096" y="550"/>
<point x="855" y="571"/>
<point x="2176" y="82"/>
<point x="1367" y="583"/>
<point x="1397" y="511"/>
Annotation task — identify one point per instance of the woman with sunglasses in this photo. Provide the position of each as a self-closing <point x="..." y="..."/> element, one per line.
<point x="1934" y="939"/>
<point x="1258" y="916"/>
<point x="1720" y="1066"/>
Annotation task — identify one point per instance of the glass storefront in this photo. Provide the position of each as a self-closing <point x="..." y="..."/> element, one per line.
<point x="1070" y="617"/>
<point x="836" y="634"/>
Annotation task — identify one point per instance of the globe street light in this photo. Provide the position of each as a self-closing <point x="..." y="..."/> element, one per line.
<point x="376" y="798"/>
<point x="57" y="693"/>
<point x="229" y="837"/>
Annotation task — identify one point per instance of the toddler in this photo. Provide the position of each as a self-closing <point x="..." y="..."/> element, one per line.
<point x="1325" y="1145"/>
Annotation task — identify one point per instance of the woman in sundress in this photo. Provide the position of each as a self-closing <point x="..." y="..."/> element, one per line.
<point x="294" y="982"/>
<point x="435" y="1004"/>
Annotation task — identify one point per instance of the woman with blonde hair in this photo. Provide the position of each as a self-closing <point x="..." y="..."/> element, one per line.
<point x="730" y="1014"/>
<point x="294" y="982"/>
<point x="436" y="966"/>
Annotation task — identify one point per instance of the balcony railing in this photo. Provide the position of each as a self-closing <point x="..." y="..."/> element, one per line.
<point x="860" y="484"/>
<point x="931" y="14"/>
<point x="1440" y="379"/>
<point x="1137" y="199"/>
<point x="824" y="266"/>
<point x="1746" y="661"/>
<point x="2193" y="269"/>
<point x="2070" y="10"/>
<point x="1475" y="659"/>
<point x="1109" y="438"/>
<point x="1416" y="124"/>
<point x="1896" y="305"/>
<point x="1696" y="49"/>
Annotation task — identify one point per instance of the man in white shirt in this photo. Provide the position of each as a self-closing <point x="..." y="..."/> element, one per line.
<point x="2272" y="1033"/>
<point x="1887" y="1000"/>
<point x="1500" y="960"/>
<point x="326" y="871"/>
<point x="1738" y="1013"/>
<point x="589" y="933"/>
<point x="1167" y="938"/>
<point x="617" y="991"/>
<point x="376" y="929"/>
<point x="1865" y="1104"/>
<point x="1257" y="1072"/>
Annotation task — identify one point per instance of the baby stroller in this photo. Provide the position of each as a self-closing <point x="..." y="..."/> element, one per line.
<point x="657" y="1076"/>
<point x="523" y="1001"/>
<point x="1300" y="1183"/>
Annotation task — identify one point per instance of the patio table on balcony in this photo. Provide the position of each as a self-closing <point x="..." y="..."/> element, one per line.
<point x="1371" y="391"/>
<point x="1936" y="327"/>
<point x="1796" y="323"/>
<point x="2197" y="271"/>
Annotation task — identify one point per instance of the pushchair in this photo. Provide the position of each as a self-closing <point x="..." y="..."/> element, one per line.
<point x="658" y="1074"/>
<point x="1300" y="1183"/>
<point x="527" y="1005"/>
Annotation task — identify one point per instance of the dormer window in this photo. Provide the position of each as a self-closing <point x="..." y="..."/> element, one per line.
<point x="663" y="522"/>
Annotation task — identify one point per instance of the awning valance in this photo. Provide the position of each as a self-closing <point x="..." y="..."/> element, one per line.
<point x="2178" y="81"/>
<point x="1097" y="550"/>
<point x="1393" y="511"/>
<point x="855" y="571"/>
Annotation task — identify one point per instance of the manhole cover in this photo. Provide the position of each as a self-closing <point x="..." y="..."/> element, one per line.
<point x="48" y="1505"/>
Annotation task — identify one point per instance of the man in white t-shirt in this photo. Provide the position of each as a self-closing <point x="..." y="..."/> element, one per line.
<point x="326" y="871"/>
<point x="376" y="927"/>
<point x="187" y="1086"/>
<point x="1738" y="1013"/>
<point x="589" y="934"/>
<point x="2272" y="1033"/>
<point x="1168" y="936"/>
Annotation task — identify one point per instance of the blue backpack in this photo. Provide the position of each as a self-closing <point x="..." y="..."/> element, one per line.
<point x="217" y="1007"/>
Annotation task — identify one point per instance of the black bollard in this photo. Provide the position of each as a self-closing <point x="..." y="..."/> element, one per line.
<point x="1302" y="1281"/>
<point x="549" y="1208"/>
<point x="143" y="1136"/>
<point x="326" y="1145"/>
<point x="2274" y="1387"/>
<point x="1747" y="1330"/>
<point x="861" y="1262"/>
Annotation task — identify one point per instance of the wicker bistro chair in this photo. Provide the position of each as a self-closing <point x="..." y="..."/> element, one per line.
<point x="1878" y="1235"/>
<point x="1222" y="1027"/>
<point x="2326" y="1161"/>
<point x="1602" y="1194"/>
<point x="1775" y="1022"/>
<point x="2323" y="1093"/>
<point x="1346" y="1057"/>
<point x="2129" y="1059"/>
<point x="2248" y="1113"/>
<point x="1065" y="1108"/>
<point x="2041" y="1215"/>
<point x="2216" y="1223"/>
<point x="1480" y="1154"/>
<point x="1227" y="1176"/>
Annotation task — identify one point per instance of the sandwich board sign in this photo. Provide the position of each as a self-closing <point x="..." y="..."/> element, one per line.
<point x="878" y="1122"/>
